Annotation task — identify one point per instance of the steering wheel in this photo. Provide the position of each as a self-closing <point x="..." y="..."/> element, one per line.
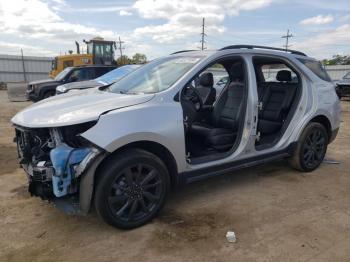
<point x="193" y="95"/>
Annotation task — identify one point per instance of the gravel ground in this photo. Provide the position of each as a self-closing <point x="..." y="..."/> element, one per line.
<point x="278" y="214"/>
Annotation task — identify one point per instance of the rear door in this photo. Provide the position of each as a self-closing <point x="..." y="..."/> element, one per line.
<point x="278" y="86"/>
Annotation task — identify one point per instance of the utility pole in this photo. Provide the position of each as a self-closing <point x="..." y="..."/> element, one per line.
<point x="24" y="68"/>
<point x="203" y="34"/>
<point x="121" y="50"/>
<point x="287" y="36"/>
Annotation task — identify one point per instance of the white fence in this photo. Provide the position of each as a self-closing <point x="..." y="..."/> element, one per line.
<point x="336" y="72"/>
<point x="15" y="68"/>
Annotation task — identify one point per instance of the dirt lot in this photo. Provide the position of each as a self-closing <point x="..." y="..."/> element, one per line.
<point x="277" y="213"/>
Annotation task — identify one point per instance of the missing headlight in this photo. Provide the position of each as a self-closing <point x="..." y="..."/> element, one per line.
<point x="70" y="134"/>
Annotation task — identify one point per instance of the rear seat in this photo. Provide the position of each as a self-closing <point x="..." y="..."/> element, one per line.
<point x="276" y="98"/>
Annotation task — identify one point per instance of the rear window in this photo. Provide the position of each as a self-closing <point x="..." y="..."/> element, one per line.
<point x="317" y="68"/>
<point x="270" y="72"/>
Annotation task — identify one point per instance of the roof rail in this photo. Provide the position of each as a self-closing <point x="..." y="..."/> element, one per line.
<point x="262" y="47"/>
<point x="182" y="51"/>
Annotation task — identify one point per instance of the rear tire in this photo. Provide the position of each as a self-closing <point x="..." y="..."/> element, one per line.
<point x="311" y="148"/>
<point x="132" y="188"/>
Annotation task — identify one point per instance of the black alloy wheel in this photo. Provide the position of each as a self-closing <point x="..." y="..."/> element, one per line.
<point x="131" y="188"/>
<point x="135" y="192"/>
<point x="311" y="148"/>
<point x="314" y="148"/>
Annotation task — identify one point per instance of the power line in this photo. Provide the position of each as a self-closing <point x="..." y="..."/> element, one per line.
<point x="121" y="49"/>
<point x="287" y="36"/>
<point x="203" y="34"/>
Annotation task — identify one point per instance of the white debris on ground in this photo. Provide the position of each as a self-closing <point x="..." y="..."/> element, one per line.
<point x="330" y="161"/>
<point x="231" y="236"/>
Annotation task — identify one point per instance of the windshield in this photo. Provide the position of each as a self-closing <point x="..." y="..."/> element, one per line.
<point x="63" y="74"/>
<point x="155" y="76"/>
<point x="116" y="74"/>
<point x="347" y="76"/>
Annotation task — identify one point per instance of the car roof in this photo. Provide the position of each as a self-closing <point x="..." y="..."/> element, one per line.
<point x="83" y="66"/>
<point x="245" y="49"/>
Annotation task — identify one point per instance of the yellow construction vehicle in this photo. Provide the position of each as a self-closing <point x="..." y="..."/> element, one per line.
<point x="99" y="52"/>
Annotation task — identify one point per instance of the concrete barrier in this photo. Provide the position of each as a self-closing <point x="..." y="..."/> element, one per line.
<point x="16" y="92"/>
<point x="2" y="86"/>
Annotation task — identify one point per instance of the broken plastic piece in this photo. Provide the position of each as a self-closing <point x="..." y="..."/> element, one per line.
<point x="63" y="158"/>
<point x="231" y="236"/>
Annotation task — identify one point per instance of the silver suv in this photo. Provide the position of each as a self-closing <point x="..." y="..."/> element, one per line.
<point x="124" y="147"/>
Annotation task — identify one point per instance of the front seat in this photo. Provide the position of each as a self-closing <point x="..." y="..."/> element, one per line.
<point x="221" y="131"/>
<point x="205" y="88"/>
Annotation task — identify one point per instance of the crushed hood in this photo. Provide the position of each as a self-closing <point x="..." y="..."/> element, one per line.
<point x="75" y="107"/>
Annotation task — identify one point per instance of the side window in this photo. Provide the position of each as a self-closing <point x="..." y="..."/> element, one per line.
<point x="317" y="68"/>
<point x="270" y="71"/>
<point x="68" y="63"/>
<point x="81" y="74"/>
<point x="90" y="73"/>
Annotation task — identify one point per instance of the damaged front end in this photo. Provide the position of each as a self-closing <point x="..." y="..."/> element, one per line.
<point x="56" y="161"/>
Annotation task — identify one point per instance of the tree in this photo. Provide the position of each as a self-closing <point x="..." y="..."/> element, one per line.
<point x="337" y="60"/>
<point x="139" y="58"/>
<point x="123" y="60"/>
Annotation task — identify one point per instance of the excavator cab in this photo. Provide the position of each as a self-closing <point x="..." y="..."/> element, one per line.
<point x="102" y="51"/>
<point x="99" y="52"/>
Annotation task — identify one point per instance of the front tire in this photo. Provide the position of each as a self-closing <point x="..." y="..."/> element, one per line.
<point x="131" y="189"/>
<point x="311" y="148"/>
<point x="48" y="94"/>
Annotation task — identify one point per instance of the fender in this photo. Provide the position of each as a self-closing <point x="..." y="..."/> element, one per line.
<point x="308" y="120"/>
<point x="115" y="129"/>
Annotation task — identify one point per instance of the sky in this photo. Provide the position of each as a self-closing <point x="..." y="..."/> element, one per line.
<point x="320" y="28"/>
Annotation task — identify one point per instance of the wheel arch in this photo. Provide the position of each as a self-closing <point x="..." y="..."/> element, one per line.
<point x="45" y="89"/>
<point x="90" y="179"/>
<point x="320" y="118"/>
<point x="155" y="148"/>
<point x="323" y="120"/>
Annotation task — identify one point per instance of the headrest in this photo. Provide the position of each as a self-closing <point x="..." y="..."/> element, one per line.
<point x="206" y="79"/>
<point x="237" y="72"/>
<point x="284" y="76"/>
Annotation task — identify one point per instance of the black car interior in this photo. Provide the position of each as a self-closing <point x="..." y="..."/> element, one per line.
<point x="212" y="124"/>
<point x="276" y="97"/>
<point x="206" y="88"/>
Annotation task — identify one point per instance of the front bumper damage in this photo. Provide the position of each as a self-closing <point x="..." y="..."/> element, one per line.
<point x="78" y="203"/>
<point x="57" y="171"/>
